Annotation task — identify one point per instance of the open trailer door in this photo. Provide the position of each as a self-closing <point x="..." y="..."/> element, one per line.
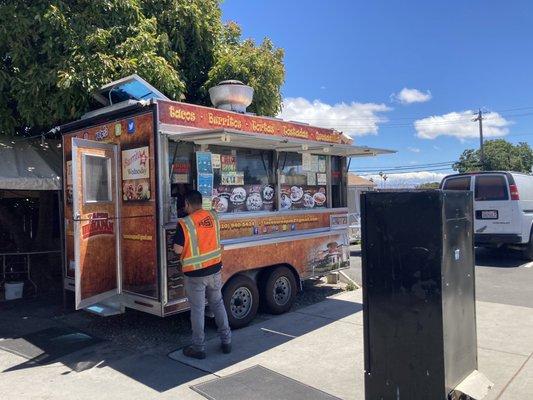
<point x="96" y="228"/>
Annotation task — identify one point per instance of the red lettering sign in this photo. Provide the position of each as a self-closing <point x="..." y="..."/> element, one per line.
<point x="182" y="114"/>
<point x="99" y="224"/>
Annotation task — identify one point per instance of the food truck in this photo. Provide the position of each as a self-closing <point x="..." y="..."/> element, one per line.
<point x="278" y="187"/>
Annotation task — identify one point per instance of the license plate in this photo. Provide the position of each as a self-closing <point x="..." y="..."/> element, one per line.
<point x="489" y="214"/>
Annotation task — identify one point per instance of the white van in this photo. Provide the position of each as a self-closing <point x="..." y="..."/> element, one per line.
<point x="503" y="207"/>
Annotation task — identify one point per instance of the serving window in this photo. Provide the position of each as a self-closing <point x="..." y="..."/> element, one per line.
<point x="243" y="180"/>
<point x="338" y="182"/>
<point x="303" y="181"/>
<point x="182" y="175"/>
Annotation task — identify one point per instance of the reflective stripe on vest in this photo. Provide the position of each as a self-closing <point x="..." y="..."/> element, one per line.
<point x="195" y="260"/>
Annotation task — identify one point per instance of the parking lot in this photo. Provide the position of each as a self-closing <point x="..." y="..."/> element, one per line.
<point x="501" y="276"/>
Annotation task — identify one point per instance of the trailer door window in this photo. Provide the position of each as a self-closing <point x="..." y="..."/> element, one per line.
<point x="304" y="181"/>
<point x="96" y="179"/>
<point x="491" y="187"/>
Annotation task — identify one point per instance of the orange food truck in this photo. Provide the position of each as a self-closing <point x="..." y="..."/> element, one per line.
<point x="279" y="189"/>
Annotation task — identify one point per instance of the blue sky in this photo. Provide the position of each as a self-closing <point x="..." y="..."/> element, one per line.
<point x="452" y="56"/>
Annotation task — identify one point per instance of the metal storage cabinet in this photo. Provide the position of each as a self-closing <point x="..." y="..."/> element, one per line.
<point x="418" y="293"/>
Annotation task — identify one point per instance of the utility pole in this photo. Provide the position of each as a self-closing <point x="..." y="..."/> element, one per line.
<point x="481" y="154"/>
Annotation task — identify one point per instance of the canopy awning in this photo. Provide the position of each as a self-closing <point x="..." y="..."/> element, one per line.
<point x="30" y="166"/>
<point x="226" y="137"/>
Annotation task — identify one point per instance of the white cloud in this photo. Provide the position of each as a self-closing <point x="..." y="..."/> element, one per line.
<point x="461" y="126"/>
<point x="355" y="119"/>
<point x="414" y="149"/>
<point x="408" y="96"/>
<point x="407" y="179"/>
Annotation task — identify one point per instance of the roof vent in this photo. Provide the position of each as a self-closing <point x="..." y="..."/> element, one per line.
<point x="231" y="95"/>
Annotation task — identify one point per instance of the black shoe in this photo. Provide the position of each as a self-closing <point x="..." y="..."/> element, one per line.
<point x="226" y="348"/>
<point x="190" y="352"/>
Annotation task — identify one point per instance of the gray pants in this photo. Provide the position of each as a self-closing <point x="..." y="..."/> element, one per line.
<point x="197" y="288"/>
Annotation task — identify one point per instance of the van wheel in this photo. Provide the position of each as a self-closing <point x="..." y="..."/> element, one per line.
<point x="527" y="252"/>
<point x="241" y="299"/>
<point x="279" y="290"/>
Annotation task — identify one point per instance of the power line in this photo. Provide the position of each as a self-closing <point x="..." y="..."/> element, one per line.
<point x="366" y="173"/>
<point x="413" y="166"/>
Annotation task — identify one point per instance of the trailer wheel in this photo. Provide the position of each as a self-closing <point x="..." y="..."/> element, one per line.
<point x="279" y="290"/>
<point x="241" y="299"/>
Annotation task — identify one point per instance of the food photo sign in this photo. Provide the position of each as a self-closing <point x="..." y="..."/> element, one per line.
<point x="302" y="197"/>
<point x="227" y="198"/>
<point x="136" y="174"/>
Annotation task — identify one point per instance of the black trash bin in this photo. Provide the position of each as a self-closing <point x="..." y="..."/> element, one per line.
<point x="418" y="292"/>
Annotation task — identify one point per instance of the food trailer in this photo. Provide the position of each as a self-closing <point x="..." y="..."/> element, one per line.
<point x="278" y="187"/>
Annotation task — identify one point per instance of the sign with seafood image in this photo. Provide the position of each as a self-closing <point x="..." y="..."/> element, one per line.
<point x="136" y="174"/>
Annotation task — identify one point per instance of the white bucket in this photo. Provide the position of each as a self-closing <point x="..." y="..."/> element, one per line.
<point x="14" y="290"/>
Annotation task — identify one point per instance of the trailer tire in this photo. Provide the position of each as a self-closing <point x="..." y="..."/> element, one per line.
<point x="241" y="299"/>
<point x="279" y="290"/>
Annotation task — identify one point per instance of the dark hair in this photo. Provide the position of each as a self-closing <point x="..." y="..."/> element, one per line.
<point x="193" y="197"/>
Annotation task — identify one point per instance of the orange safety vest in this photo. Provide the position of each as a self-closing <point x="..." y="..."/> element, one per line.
<point x="202" y="240"/>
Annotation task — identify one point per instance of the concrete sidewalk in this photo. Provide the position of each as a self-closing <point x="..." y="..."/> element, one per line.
<point x="320" y="345"/>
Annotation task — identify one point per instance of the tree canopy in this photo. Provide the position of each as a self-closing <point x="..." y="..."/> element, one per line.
<point x="500" y="155"/>
<point x="56" y="53"/>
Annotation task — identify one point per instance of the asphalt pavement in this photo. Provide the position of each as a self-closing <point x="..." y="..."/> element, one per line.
<point x="501" y="276"/>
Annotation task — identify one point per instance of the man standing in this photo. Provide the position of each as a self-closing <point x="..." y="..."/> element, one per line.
<point x="197" y="242"/>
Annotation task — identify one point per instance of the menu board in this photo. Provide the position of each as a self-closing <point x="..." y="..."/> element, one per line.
<point x="215" y="161"/>
<point x="311" y="178"/>
<point x="244" y="198"/>
<point x="228" y="163"/>
<point x="203" y="162"/>
<point x="232" y="178"/>
<point x="181" y="171"/>
<point x="321" y="163"/>
<point x="303" y="197"/>
<point x="205" y="184"/>
<point x="204" y="167"/>
<point x="321" y="179"/>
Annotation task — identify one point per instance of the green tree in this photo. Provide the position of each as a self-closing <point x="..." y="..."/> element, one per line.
<point x="428" y="185"/>
<point x="194" y="29"/>
<point x="500" y="155"/>
<point x="54" y="54"/>
<point x="261" y="67"/>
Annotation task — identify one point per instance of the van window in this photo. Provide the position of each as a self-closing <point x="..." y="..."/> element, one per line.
<point x="491" y="187"/>
<point x="459" y="183"/>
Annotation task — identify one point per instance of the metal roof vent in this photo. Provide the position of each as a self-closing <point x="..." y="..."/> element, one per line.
<point x="231" y="95"/>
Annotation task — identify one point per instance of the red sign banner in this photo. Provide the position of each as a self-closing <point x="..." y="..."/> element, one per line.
<point x="182" y="114"/>
<point x="99" y="224"/>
